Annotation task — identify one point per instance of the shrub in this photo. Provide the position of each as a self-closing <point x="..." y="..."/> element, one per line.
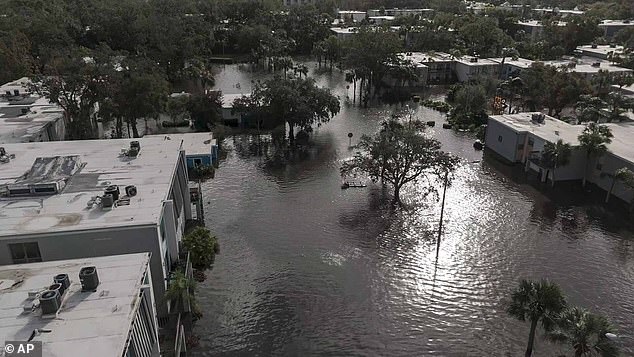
<point x="202" y="247"/>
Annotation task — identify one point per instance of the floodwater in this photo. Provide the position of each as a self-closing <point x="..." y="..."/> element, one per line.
<point x="309" y="269"/>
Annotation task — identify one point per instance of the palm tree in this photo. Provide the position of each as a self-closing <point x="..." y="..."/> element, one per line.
<point x="180" y="292"/>
<point x="594" y="140"/>
<point x="556" y="155"/>
<point x="624" y="175"/>
<point x="536" y="302"/>
<point x="589" y="108"/>
<point x="584" y="332"/>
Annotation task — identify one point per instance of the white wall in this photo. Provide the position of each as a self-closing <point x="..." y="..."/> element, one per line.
<point x="502" y="140"/>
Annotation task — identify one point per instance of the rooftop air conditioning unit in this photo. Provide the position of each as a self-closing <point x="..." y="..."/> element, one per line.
<point x="49" y="302"/>
<point x="596" y="64"/>
<point x="114" y="191"/>
<point x="107" y="201"/>
<point x="612" y="45"/>
<point x="8" y="93"/>
<point x="63" y="280"/>
<point x="89" y="278"/>
<point x="16" y="92"/>
<point x="594" y="45"/>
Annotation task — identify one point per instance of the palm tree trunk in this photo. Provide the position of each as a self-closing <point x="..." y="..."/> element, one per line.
<point x="607" y="197"/>
<point x="585" y="171"/>
<point x="531" y="339"/>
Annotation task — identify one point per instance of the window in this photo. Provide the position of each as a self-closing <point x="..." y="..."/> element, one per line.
<point x="25" y="253"/>
<point x="500" y="138"/>
<point x="531" y="142"/>
<point x="198" y="162"/>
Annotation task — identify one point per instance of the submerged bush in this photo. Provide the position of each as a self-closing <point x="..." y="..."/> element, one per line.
<point x="202" y="247"/>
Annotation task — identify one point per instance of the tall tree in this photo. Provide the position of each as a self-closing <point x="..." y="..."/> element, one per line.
<point x="556" y="155"/>
<point x="584" y="332"/>
<point x="74" y="81"/>
<point x="536" y="302"/>
<point x="623" y="175"/>
<point x="593" y="140"/>
<point x="400" y="153"/>
<point x="296" y="102"/>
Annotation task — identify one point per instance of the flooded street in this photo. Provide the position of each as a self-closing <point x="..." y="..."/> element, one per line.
<point x="309" y="269"/>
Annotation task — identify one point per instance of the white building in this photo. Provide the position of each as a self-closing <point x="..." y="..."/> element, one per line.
<point x="520" y="138"/>
<point x="344" y="33"/>
<point x="603" y="52"/>
<point x="54" y="203"/>
<point x="351" y="16"/>
<point x="534" y="29"/>
<point x="557" y="11"/>
<point x="588" y="67"/>
<point x="116" y="318"/>
<point x="26" y="117"/>
<point x="611" y="27"/>
<point x="381" y="20"/>
<point x="469" y="68"/>
<point x="399" y="12"/>
<point x="512" y="67"/>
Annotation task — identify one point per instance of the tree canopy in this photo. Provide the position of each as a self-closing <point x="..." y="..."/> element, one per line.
<point x="400" y="153"/>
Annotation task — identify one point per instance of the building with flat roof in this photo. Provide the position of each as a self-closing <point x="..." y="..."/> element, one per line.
<point x="512" y="67"/>
<point x="77" y="199"/>
<point x="534" y="28"/>
<point x="469" y="68"/>
<point x="603" y="52"/>
<point x="115" y="318"/>
<point x="557" y="11"/>
<point x="26" y="117"/>
<point x="520" y="138"/>
<point x="351" y="16"/>
<point x="588" y="67"/>
<point x="381" y="20"/>
<point x="611" y="27"/>
<point x="399" y="12"/>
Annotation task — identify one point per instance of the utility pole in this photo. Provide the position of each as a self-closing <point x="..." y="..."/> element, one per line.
<point x="442" y="213"/>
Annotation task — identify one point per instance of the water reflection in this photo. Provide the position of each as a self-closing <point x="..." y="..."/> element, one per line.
<point x="309" y="269"/>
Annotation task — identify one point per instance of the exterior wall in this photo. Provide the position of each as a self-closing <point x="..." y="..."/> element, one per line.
<point x="600" y="171"/>
<point x="503" y="140"/>
<point x="466" y="72"/>
<point x="204" y="160"/>
<point x="97" y="243"/>
<point x="572" y="171"/>
<point x="354" y="17"/>
<point x="440" y="72"/>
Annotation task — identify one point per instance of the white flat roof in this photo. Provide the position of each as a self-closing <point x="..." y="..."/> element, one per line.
<point x="584" y="65"/>
<point x="553" y="129"/>
<point x="606" y="23"/>
<point x="151" y="172"/>
<point x="344" y="30"/>
<point x="518" y="62"/>
<point x="466" y="60"/>
<point x="16" y="127"/>
<point x="92" y="324"/>
<point x="536" y="23"/>
<point x="351" y="12"/>
<point x="193" y="143"/>
<point x="601" y="50"/>
<point x="384" y="17"/>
